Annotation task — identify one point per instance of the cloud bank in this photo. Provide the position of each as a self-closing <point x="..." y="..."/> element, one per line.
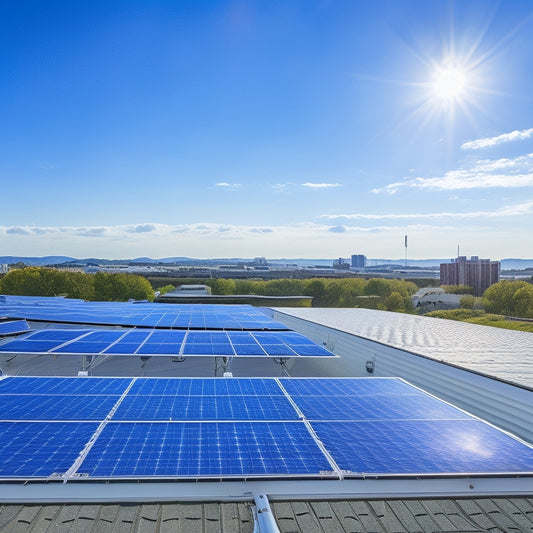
<point x="488" y="142"/>
<point x="483" y="174"/>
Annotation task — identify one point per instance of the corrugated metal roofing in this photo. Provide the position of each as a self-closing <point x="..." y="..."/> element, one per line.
<point x="377" y="516"/>
<point x="504" y="354"/>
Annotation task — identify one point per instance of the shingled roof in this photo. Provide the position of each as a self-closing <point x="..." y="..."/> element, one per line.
<point x="506" y="515"/>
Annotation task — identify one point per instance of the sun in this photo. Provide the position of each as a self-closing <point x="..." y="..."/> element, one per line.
<point x="449" y="83"/>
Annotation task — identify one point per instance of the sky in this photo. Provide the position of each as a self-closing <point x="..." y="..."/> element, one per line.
<point x="278" y="129"/>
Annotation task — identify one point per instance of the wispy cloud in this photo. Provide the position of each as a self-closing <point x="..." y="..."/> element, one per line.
<point x="485" y="173"/>
<point x="321" y="185"/>
<point x="228" y="186"/>
<point x="487" y="142"/>
<point x="507" y="211"/>
<point x="289" y="240"/>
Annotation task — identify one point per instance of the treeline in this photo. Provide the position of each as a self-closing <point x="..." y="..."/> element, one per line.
<point x="509" y="298"/>
<point x="376" y="293"/>
<point x="116" y="287"/>
<point x="503" y="299"/>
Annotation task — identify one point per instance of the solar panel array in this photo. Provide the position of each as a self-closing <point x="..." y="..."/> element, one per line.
<point x="165" y="343"/>
<point x="13" y="327"/>
<point x="150" y="315"/>
<point x="87" y="428"/>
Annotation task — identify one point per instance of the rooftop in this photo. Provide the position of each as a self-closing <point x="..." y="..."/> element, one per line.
<point x="504" y="354"/>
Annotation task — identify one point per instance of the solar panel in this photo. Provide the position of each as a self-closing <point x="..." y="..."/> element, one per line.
<point x="204" y="449"/>
<point x="155" y="315"/>
<point x="393" y="447"/>
<point x="179" y="407"/>
<point x="13" y="326"/>
<point x="67" y="385"/>
<point x="54" y="407"/>
<point x="40" y="449"/>
<point x="165" y="342"/>
<point x="243" y="427"/>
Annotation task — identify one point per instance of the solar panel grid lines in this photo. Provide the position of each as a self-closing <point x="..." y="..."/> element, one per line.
<point x="334" y="466"/>
<point x="83" y="454"/>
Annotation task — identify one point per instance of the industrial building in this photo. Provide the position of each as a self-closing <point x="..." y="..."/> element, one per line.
<point x="477" y="273"/>
<point x="358" y="261"/>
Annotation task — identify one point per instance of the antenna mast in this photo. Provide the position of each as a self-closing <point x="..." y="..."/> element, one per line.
<point x="405" y="264"/>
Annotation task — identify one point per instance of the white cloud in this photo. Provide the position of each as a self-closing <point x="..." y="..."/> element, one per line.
<point x="499" y="139"/>
<point x="228" y="186"/>
<point x="485" y="173"/>
<point x="462" y="179"/>
<point x="507" y="211"/>
<point x="305" y="239"/>
<point x="321" y="185"/>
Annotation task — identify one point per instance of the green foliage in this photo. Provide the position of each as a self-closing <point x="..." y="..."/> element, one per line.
<point x="510" y="298"/>
<point x="471" y="302"/>
<point x="221" y="286"/>
<point x="394" y="302"/>
<point x="34" y="281"/>
<point x="482" y="318"/>
<point x="458" y="289"/>
<point x="457" y="314"/>
<point x="165" y="289"/>
<point x="283" y="287"/>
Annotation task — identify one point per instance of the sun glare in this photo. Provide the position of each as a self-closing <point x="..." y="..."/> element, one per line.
<point x="449" y="83"/>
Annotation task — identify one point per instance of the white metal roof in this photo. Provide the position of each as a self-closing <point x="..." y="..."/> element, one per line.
<point x="504" y="354"/>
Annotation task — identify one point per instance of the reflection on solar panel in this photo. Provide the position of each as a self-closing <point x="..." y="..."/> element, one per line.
<point x="13" y="326"/>
<point x="166" y="342"/>
<point x="177" y="316"/>
<point x="229" y="427"/>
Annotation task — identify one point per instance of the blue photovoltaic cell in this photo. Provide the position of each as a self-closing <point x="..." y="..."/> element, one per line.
<point x="59" y="335"/>
<point x="249" y="349"/>
<point x="54" y="407"/>
<point x="13" y="326"/>
<point x="205" y="408"/>
<point x="40" y="449"/>
<point x="423" y="447"/>
<point x="310" y="350"/>
<point x="385" y="407"/>
<point x="163" y="342"/>
<point x="278" y="350"/>
<point x="126" y="450"/>
<point x="348" y="386"/>
<point x="63" y="386"/>
<point x="24" y="346"/>
<point x="82" y="347"/>
<point x="205" y="387"/>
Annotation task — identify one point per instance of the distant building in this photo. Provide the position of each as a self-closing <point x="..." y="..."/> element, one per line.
<point x="477" y="273"/>
<point x="341" y="264"/>
<point x="358" y="261"/>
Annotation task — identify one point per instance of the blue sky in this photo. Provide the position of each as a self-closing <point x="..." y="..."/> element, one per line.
<point x="267" y="128"/>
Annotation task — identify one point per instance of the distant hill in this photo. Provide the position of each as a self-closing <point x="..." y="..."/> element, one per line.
<point x="506" y="264"/>
<point x="36" y="261"/>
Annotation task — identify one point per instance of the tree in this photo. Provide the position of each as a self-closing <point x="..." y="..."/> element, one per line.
<point x="394" y="302"/>
<point x="501" y="298"/>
